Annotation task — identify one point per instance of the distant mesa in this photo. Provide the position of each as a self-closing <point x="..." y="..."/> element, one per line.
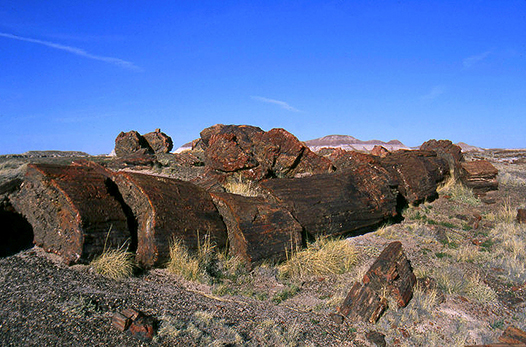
<point x="350" y="143"/>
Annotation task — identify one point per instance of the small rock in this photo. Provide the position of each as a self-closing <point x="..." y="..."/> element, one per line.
<point x="521" y="215"/>
<point x="377" y="338"/>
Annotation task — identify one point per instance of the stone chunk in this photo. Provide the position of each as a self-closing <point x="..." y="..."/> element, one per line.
<point x="159" y="142"/>
<point x="168" y="208"/>
<point x="380" y="151"/>
<point x="513" y="336"/>
<point x="480" y="175"/>
<point x="131" y="142"/>
<point x="447" y="150"/>
<point x="390" y="274"/>
<point x="417" y="173"/>
<point x="257" y="229"/>
<point x="72" y="209"/>
<point x="336" y="203"/>
<point x="135" y="324"/>
<point x="521" y="215"/>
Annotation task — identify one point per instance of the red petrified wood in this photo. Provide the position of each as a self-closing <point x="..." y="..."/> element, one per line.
<point x="168" y="208"/>
<point x="72" y="210"/>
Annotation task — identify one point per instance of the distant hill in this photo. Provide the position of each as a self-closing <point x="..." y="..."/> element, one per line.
<point x="48" y="154"/>
<point x="351" y="143"/>
<point x="468" y="148"/>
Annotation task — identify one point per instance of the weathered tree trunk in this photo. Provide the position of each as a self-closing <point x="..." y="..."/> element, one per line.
<point x="168" y="209"/>
<point x="257" y="229"/>
<point x="71" y="210"/>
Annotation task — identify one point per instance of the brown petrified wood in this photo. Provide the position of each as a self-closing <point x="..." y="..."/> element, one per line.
<point x="363" y="303"/>
<point x="417" y="173"/>
<point x="390" y="275"/>
<point x="131" y="142"/>
<point x="257" y="229"/>
<point x="72" y="210"/>
<point x="336" y="203"/>
<point x="513" y="335"/>
<point x="448" y="151"/>
<point x="480" y="175"/>
<point x="159" y="142"/>
<point x="521" y="215"/>
<point x="380" y="151"/>
<point x="392" y="271"/>
<point x="134" y="323"/>
<point x="168" y="208"/>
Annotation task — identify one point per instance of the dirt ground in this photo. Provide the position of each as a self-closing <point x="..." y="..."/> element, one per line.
<point x="474" y="252"/>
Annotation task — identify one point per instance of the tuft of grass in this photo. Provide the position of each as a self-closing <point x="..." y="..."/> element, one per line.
<point x="458" y="192"/>
<point x="182" y="263"/>
<point x="238" y="185"/>
<point x="324" y="256"/>
<point x="114" y="264"/>
<point x="286" y="293"/>
<point x="271" y="333"/>
<point x="454" y="281"/>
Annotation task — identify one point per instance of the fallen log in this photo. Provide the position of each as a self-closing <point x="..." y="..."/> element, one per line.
<point x="168" y="209"/>
<point x="257" y="229"/>
<point x="479" y="175"/>
<point x="72" y="210"/>
<point x="336" y="203"/>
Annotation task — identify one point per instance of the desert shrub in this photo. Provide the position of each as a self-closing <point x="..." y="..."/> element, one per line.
<point x="114" y="263"/>
<point x="322" y="257"/>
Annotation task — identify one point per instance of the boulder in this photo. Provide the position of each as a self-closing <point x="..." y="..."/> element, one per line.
<point x="380" y="151"/>
<point x="73" y="210"/>
<point x="390" y="275"/>
<point x="416" y="173"/>
<point x="447" y="150"/>
<point x="168" y="209"/>
<point x="158" y="141"/>
<point x="257" y="154"/>
<point x="131" y="142"/>
<point x="257" y="229"/>
<point x="336" y="203"/>
<point x="479" y="175"/>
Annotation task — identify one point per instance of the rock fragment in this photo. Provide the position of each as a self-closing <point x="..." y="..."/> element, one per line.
<point x="159" y="142"/>
<point x="131" y="142"/>
<point x="480" y="175"/>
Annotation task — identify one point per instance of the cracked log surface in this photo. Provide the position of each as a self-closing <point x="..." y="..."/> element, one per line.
<point x="71" y="210"/>
<point x="257" y="229"/>
<point x="168" y="208"/>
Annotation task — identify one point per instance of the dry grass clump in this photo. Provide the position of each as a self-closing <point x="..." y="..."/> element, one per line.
<point x="191" y="267"/>
<point x="271" y="333"/>
<point x="114" y="263"/>
<point x="324" y="256"/>
<point x="458" y="192"/>
<point x="453" y="280"/>
<point x="238" y="185"/>
<point x="509" y="250"/>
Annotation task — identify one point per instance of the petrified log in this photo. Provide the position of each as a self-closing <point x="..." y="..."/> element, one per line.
<point x="135" y="323"/>
<point x="257" y="229"/>
<point x="417" y="173"/>
<point x="448" y="151"/>
<point x="392" y="270"/>
<point x="131" y="142"/>
<point x="513" y="335"/>
<point x="480" y="175"/>
<point x="16" y="233"/>
<point x="72" y="210"/>
<point x="168" y="208"/>
<point x="158" y="141"/>
<point x="363" y="303"/>
<point x="336" y="203"/>
<point x="380" y="151"/>
<point x="390" y="274"/>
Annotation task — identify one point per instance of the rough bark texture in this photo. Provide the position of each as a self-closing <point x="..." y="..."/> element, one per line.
<point x="390" y="274"/>
<point x="257" y="229"/>
<point x="480" y="175"/>
<point x="363" y="303"/>
<point x="336" y="203"/>
<point x="417" y="173"/>
<point x="392" y="270"/>
<point x="159" y="142"/>
<point x="447" y="150"/>
<point x="256" y="154"/>
<point x="131" y="142"/>
<point x="168" y="208"/>
<point x="72" y="210"/>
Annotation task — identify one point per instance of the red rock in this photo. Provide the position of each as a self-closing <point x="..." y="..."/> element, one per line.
<point x="380" y="151"/>
<point x="73" y="210"/>
<point x="479" y="175"/>
<point x="417" y="173"/>
<point x="168" y="208"/>
<point x="257" y="229"/>
<point x="521" y="215"/>
<point x="447" y="150"/>
<point x="363" y="303"/>
<point x="513" y="336"/>
<point x="158" y="141"/>
<point x="336" y="203"/>
<point x="131" y="142"/>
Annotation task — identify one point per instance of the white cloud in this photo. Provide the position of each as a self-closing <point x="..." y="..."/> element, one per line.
<point x="281" y="104"/>
<point x="474" y="59"/>
<point x="435" y="92"/>
<point x="74" y="50"/>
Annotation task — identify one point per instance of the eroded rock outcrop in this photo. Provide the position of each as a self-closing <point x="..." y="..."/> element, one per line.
<point x="159" y="142"/>
<point x="131" y="143"/>
<point x="72" y="210"/>
<point x="479" y="175"/>
<point x="447" y="150"/>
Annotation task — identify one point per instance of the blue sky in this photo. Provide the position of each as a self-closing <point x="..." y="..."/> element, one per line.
<point x="75" y="74"/>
